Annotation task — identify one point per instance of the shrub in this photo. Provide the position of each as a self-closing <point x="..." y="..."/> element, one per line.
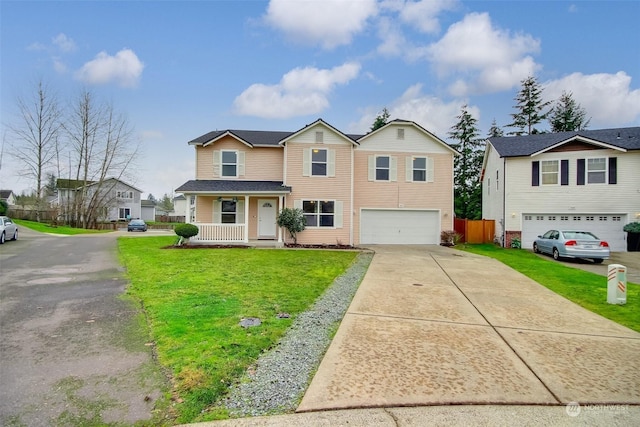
<point x="4" y="207"/>
<point x="293" y="220"/>
<point x="516" y="243"/>
<point x="632" y="227"/>
<point x="186" y="231"/>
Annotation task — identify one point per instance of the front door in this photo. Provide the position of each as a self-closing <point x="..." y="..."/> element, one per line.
<point x="266" y="219"/>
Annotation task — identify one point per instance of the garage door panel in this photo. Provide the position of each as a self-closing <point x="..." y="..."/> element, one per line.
<point x="606" y="226"/>
<point x="399" y="227"/>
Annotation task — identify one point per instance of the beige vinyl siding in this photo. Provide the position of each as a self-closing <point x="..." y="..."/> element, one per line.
<point x="492" y="197"/>
<point x="401" y="194"/>
<point x="337" y="187"/>
<point x="204" y="209"/>
<point x="415" y="141"/>
<point x="522" y="197"/>
<point x="260" y="163"/>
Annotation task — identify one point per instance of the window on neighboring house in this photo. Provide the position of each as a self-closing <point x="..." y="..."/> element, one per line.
<point x="382" y="168"/>
<point x="549" y="172"/>
<point x="319" y="213"/>
<point x="124" y="194"/>
<point x="229" y="212"/>
<point x="420" y="169"/>
<point x="124" y="213"/>
<point x="192" y="200"/>
<point x="230" y="163"/>
<point x="318" y="162"/>
<point x="596" y="171"/>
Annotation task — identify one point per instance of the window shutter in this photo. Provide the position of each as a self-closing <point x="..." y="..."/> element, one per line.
<point x="240" y="212"/>
<point x="430" y="169"/>
<point x="564" y="172"/>
<point x="372" y="167"/>
<point x="393" y="168"/>
<point x="337" y="215"/>
<point x="613" y="173"/>
<point x="216" y="163"/>
<point x="331" y="162"/>
<point x="306" y="162"/>
<point x="297" y="204"/>
<point x="217" y="212"/>
<point x="580" y="180"/>
<point x="535" y="174"/>
<point x="241" y="155"/>
<point x="408" y="169"/>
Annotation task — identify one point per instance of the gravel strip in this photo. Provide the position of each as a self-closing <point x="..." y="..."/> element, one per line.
<point x="281" y="376"/>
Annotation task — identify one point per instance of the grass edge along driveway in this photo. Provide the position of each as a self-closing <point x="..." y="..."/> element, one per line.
<point x="588" y="290"/>
<point x="195" y="299"/>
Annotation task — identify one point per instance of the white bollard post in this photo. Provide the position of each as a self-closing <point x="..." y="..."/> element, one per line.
<point x="617" y="284"/>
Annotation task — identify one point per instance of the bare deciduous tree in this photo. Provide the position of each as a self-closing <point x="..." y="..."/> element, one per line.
<point x="35" y="138"/>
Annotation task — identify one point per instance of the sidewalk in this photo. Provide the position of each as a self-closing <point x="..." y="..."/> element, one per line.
<point x="435" y="326"/>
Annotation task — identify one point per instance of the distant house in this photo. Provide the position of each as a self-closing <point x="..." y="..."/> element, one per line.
<point x="148" y="210"/>
<point x="393" y="185"/>
<point x="179" y="205"/>
<point x="8" y="196"/>
<point x="588" y="180"/>
<point x="117" y="199"/>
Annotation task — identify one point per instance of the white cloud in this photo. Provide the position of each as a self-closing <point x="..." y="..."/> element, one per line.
<point x="64" y="43"/>
<point x="428" y="111"/>
<point x="301" y="91"/>
<point x="488" y="58"/>
<point x="606" y="98"/>
<point x="124" y="69"/>
<point x="423" y="14"/>
<point x="329" y="23"/>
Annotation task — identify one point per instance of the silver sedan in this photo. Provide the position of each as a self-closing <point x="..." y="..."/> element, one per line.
<point x="572" y="244"/>
<point x="8" y="229"/>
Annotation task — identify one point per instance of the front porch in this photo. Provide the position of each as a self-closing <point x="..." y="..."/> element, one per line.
<point x="232" y="234"/>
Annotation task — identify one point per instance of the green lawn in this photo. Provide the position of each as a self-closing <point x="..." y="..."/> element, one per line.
<point x="586" y="289"/>
<point x="60" y="229"/>
<point x="195" y="299"/>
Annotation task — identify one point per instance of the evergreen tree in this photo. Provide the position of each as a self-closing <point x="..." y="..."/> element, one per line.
<point x="381" y="119"/>
<point x="530" y="108"/>
<point x="567" y="115"/>
<point x="495" y="131"/>
<point x="467" y="166"/>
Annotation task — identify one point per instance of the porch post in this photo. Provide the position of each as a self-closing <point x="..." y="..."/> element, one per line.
<point x="187" y="209"/>
<point x="280" y="206"/>
<point x="246" y="219"/>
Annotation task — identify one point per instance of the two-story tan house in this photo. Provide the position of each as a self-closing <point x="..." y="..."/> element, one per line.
<point x="392" y="186"/>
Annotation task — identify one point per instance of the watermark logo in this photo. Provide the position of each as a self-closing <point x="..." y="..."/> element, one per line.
<point x="573" y="409"/>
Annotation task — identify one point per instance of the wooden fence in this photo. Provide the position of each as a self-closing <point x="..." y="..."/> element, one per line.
<point x="475" y="231"/>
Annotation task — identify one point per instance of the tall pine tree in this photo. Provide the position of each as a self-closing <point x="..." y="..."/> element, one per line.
<point x="495" y="130"/>
<point x="531" y="109"/>
<point x="467" y="166"/>
<point x="567" y="115"/>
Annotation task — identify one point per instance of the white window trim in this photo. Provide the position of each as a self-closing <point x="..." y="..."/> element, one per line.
<point x="606" y="171"/>
<point x="542" y="183"/>
<point x="429" y="163"/>
<point x="217" y="164"/>
<point x="338" y="207"/>
<point x="223" y="164"/>
<point x="307" y="162"/>
<point x="120" y="209"/>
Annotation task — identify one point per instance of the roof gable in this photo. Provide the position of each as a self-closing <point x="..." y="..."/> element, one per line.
<point x="321" y="123"/>
<point x="621" y="139"/>
<point x="404" y="123"/>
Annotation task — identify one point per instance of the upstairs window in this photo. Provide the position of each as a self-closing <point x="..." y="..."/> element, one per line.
<point x="230" y="163"/>
<point x="318" y="162"/>
<point x="419" y="169"/>
<point x="124" y="194"/>
<point x="549" y="172"/>
<point x="382" y="168"/>
<point x="596" y="171"/>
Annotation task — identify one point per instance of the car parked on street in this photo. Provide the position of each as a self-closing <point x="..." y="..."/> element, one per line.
<point x="137" y="225"/>
<point x="572" y="244"/>
<point x="8" y="229"/>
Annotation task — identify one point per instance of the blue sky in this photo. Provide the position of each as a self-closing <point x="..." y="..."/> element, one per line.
<point x="181" y="69"/>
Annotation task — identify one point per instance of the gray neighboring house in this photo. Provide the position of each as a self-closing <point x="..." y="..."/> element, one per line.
<point x="587" y="180"/>
<point x="8" y="196"/>
<point x="121" y="201"/>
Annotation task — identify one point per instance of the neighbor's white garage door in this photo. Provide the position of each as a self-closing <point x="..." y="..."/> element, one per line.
<point x="393" y="226"/>
<point x="606" y="226"/>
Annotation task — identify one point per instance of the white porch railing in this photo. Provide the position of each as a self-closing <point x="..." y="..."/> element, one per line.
<point x="220" y="233"/>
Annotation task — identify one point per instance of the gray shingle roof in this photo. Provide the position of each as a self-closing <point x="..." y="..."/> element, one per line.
<point x="253" y="137"/>
<point x="227" y="186"/>
<point x="526" y="145"/>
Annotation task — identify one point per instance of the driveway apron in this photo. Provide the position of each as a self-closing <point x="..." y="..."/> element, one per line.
<point x="72" y="352"/>
<point x="431" y="326"/>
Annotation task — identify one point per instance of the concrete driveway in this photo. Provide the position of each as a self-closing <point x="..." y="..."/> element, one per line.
<point x="72" y="352"/>
<point x="436" y="326"/>
<point x="631" y="260"/>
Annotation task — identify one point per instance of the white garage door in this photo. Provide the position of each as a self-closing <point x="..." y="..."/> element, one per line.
<point x="606" y="226"/>
<point x="392" y="226"/>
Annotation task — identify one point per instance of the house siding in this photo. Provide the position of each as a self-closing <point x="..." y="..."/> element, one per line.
<point x="522" y="197"/>
<point x="336" y="187"/>
<point x="492" y="195"/>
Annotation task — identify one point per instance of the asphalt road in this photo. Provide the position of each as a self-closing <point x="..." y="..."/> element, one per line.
<point x="72" y="350"/>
